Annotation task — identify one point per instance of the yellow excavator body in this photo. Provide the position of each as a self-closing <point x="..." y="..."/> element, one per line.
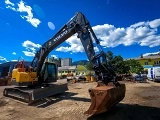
<point x="23" y="77"/>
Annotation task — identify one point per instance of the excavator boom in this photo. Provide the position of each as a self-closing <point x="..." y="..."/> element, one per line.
<point x="108" y="91"/>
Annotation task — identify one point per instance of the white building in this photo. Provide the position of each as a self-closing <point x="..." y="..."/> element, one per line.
<point x="66" y="62"/>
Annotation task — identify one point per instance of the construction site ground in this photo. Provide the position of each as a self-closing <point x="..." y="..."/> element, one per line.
<point x="142" y="102"/>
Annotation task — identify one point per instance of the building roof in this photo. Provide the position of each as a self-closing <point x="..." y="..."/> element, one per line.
<point x="146" y="57"/>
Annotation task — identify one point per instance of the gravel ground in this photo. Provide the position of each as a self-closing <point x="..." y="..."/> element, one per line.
<point x="142" y="102"/>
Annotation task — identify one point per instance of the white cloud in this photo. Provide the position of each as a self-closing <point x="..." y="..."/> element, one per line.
<point x="14" y="60"/>
<point x="139" y="24"/>
<point x="30" y="48"/>
<point x="29" y="54"/>
<point x="155" y="23"/>
<point x="151" y="41"/>
<point x="30" y="45"/>
<point x="11" y="8"/>
<point x="96" y="49"/>
<point x="13" y="53"/>
<point x="142" y="33"/>
<point x="9" y="3"/>
<point x="75" y="45"/>
<point x="55" y="56"/>
<point x="3" y="59"/>
<point x="23" y="8"/>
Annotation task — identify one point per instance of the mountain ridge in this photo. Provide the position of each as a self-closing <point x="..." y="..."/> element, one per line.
<point x="80" y="62"/>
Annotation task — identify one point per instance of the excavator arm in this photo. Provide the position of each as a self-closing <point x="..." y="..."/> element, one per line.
<point x="80" y="25"/>
<point x="108" y="91"/>
<point x="105" y="95"/>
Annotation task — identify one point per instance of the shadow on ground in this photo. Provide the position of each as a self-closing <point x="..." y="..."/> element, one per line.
<point x="129" y="112"/>
<point x="56" y="98"/>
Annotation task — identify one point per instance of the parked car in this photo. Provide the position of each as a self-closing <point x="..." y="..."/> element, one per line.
<point x="81" y="78"/>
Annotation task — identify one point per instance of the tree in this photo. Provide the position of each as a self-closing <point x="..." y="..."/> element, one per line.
<point x="110" y="57"/>
<point x="116" y="62"/>
<point x="89" y="66"/>
<point x="135" y="66"/>
<point x="119" y="65"/>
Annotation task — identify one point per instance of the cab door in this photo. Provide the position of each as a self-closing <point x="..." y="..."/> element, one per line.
<point x="50" y="72"/>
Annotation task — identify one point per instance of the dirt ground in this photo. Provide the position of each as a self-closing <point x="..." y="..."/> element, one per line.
<point x="142" y="102"/>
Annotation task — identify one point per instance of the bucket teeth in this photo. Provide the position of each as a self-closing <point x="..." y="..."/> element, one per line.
<point x="104" y="97"/>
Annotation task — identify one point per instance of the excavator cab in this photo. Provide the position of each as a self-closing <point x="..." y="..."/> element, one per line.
<point x="49" y="70"/>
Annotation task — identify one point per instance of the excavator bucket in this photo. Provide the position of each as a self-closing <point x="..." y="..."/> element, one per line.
<point x="104" y="97"/>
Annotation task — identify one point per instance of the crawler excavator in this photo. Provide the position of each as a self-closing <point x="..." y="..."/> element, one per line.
<point x="37" y="80"/>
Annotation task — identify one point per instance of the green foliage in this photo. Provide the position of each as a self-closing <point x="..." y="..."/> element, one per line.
<point x="116" y="62"/>
<point x="81" y="68"/>
<point x="89" y="66"/>
<point x="109" y="56"/>
<point x="120" y="66"/>
<point x="134" y="66"/>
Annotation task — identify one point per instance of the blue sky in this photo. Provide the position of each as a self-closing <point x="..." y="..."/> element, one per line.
<point x="125" y="27"/>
